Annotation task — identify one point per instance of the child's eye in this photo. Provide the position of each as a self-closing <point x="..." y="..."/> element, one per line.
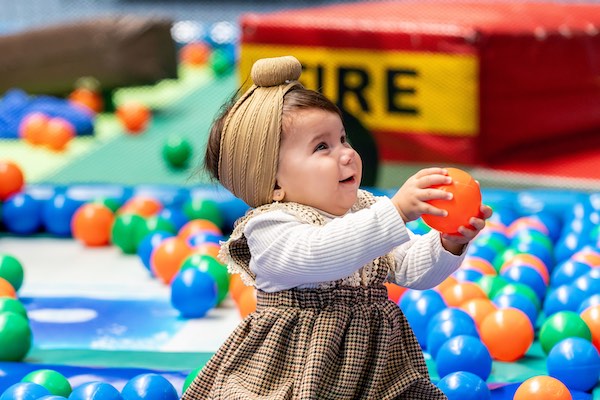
<point x="321" y="146"/>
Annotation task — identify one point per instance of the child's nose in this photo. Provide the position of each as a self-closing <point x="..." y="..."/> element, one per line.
<point x="347" y="156"/>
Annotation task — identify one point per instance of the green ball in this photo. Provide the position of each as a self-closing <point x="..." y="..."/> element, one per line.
<point x="11" y="270"/>
<point x="177" y="152"/>
<point x="491" y="284"/>
<point x="13" y="305"/>
<point x="54" y="381"/>
<point x="15" y="336"/>
<point x="191" y="376"/>
<point x="199" y="208"/>
<point x="112" y="204"/>
<point x="215" y="269"/>
<point x="124" y="232"/>
<point x="220" y="62"/>
<point x="520" y="288"/>
<point x="562" y="325"/>
<point x="152" y="224"/>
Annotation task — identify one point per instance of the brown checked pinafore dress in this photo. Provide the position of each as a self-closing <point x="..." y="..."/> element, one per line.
<point x="344" y="340"/>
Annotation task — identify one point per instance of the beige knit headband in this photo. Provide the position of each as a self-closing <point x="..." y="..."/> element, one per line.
<point x="252" y="128"/>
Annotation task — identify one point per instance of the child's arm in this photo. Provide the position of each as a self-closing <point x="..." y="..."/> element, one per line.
<point x="287" y="252"/>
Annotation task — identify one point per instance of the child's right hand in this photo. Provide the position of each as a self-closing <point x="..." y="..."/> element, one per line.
<point x="411" y="199"/>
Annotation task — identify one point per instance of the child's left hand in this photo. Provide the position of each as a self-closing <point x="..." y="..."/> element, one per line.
<point x="455" y="243"/>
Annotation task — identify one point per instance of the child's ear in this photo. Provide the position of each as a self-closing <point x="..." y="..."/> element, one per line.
<point x="278" y="194"/>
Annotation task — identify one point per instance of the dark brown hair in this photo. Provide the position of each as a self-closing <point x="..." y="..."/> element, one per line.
<point x="297" y="98"/>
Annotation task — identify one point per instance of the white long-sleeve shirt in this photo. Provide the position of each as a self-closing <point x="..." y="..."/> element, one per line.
<point x="288" y="253"/>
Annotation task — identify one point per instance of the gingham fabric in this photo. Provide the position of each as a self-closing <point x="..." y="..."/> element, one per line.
<point x="338" y="342"/>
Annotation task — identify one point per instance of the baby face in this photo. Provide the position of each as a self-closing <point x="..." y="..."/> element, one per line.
<point x="317" y="166"/>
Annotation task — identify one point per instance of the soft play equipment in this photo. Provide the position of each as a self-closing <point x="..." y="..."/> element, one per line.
<point x="503" y="85"/>
<point x="116" y="51"/>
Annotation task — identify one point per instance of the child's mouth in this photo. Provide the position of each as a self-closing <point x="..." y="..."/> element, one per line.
<point x="348" y="180"/>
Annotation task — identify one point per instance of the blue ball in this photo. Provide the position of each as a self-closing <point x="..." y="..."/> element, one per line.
<point x="520" y="302"/>
<point x="464" y="386"/>
<point x="567" y="271"/>
<point x="527" y="276"/>
<point x="193" y="292"/>
<point x="419" y="312"/>
<point x="455" y="314"/>
<point x="95" y="391"/>
<point x="205" y="237"/>
<point x="22" y="214"/>
<point x="149" y="386"/>
<point x="589" y="283"/>
<point x="575" y="362"/>
<point x="593" y="300"/>
<point x="442" y="331"/>
<point x="52" y="397"/>
<point x="24" y="391"/>
<point x="563" y="298"/>
<point x="464" y="353"/>
<point x="467" y="275"/>
<point x="57" y="214"/>
<point x="149" y="243"/>
<point x="175" y="216"/>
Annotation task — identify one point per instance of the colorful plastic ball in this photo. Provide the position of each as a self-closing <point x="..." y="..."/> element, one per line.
<point x="589" y="283"/>
<point x="462" y="292"/>
<point x="527" y="276"/>
<point x="221" y="62"/>
<point x="419" y="312"/>
<point x="11" y="269"/>
<point x="467" y="275"/>
<point x="168" y="257"/>
<point x="190" y="378"/>
<point x="32" y="127"/>
<point x="52" y="397"/>
<point x="212" y="249"/>
<point x="491" y="284"/>
<point x="13" y="305"/>
<point x="22" y="214"/>
<point x="591" y="316"/>
<point x="445" y="284"/>
<point x="593" y="300"/>
<point x="236" y="285"/>
<point x="442" y="331"/>
<point x="92" y="223"/>
<point x="124" y="232"/>
<point x="246" y="303"/>
<point x="507" y="323"/>
<point x="152" y="224"/>
<point x="175" y="216"/>
<point x="465" y="203"/>
<point x="542" y="388"/>
<point x="57" y="214"/>
<point x="89" y="98"/>
<point x="464" y="353"/>
<point x="24" y="391"/>
<point x="95" y="390"/>
<point x="15" y="336"/>
<point x="523" y="289"/>
<point x="562" y="325"/>
<point x="587" y="255"/>
<point x="193" y="293"/>
<point x="478" y="309"/>
<point x="394" y="291"/>
<point x="6" y="289"/>
<point x="563" y="298"/>
<point x="11" y="179"/>
<point x="149" y="243"/>
<point x="205" y="237"/>
<point x="149" y="386"/>
<point x="478" y="264"/>
<point x="218" y="271"/>
<point x="464" y="385"/>
<point x="58" y="133"/>
<point x="195" y="53"/>
<point x="55" y="382"/>
<point x="177" y="152"/>
<point x="567" y="271"/>
<point x="520" y="302"/>
<point x="199" y="208"/>
<point x="141" y="205"/>
<point x="512" y="257"/>
<point x="575" y="362"/>
<point x="134" y="117"/>
<point x="197" y="226"/>
<point x="457" y="315"/>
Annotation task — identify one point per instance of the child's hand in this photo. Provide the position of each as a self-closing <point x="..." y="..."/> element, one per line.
<point x="411" y="199"/>
<point x="454" y="243"/>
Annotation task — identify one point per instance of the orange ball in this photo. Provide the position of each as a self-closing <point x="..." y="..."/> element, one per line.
<point x="457" y="294"/>
<point x="479" y="264"/>
<point x="141" y="205"/>
<point x="92" y="223"/>
<point x="478" y="309"/>
<point x="507" y="333"/>
<point x="446" y="283"/>
<point x="33" y="127"/>
<point x="542" y="387"/>
<point x="529" y="260"/>
<point x="591" y="316"/>
<point x="247" y="301"/>
<point x="11" y="179"/>
<point x="587" y="256"/>
<point x="134" y="117"/>
<point x="195" y="53"/>
<point x="166" y="259"/>
<point x="395" y="292"/>
<point x="58" y="134"/>
<point x="6" y="289"/>
<point x="196" y="226"/>
<point x="236" y="286"/>
<point x="465" y="203"/>
<point x="88" y="98"/>
<point x="212" y="249"/>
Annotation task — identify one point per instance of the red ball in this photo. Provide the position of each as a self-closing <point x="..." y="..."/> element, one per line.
<point x="465" y="203"/>
<point x="11" y="179"/>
